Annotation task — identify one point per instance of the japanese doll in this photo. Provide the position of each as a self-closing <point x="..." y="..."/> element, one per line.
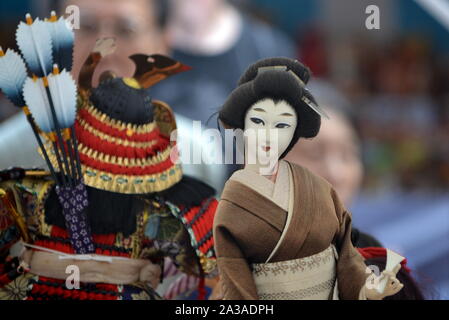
<point x="280" y="231"/>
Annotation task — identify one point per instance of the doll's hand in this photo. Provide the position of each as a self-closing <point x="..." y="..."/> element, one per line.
<point x="105" y="46"/>
<point x="392" y="287"/>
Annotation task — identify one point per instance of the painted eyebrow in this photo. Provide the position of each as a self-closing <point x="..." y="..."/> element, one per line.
<point x="259" y="109"/>
<point x="287" y="114"/>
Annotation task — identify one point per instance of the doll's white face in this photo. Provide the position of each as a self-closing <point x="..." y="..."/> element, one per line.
<point x="273" y="125"/>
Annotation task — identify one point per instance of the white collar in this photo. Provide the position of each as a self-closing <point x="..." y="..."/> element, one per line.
<point x="277" y="192"/>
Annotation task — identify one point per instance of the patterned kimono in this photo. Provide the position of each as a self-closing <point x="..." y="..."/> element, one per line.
<point x="159" y="232"/>
<point x="250" y="220"/>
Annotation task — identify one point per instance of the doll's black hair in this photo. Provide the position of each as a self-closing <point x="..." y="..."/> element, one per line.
<point x="278" y="85"/>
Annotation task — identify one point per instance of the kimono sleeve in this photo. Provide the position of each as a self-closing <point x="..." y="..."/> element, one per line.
<point x="234" y="271"/>
<point x="351" y="269"/>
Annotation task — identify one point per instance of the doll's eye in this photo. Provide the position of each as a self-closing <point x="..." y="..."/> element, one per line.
<point x="257" y="121"/>
<point x="282" y="125"/>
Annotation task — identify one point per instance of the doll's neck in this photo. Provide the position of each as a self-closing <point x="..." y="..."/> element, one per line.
<point x="264" y="170"/>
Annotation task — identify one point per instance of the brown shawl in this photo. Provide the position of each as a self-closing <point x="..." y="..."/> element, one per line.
<point x="247" y="227"/>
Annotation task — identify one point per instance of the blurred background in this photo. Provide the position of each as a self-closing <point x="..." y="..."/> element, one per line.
<point x="386" y="149"/>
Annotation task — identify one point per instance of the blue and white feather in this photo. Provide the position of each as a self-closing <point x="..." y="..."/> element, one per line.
<point x="37" y="101"/>
<point x="34" y="42"/>
<point x="63" y="93"/>
<point x="13" y="74"/>
<point x="62" y="37"/>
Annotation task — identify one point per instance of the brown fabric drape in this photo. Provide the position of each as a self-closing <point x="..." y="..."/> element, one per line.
<point x="247" y="227"/>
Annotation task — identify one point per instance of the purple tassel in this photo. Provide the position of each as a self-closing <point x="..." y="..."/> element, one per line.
<point x="74" y="202"/>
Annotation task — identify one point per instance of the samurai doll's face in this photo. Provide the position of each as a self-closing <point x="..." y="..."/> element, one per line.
<point x="269" y="129"/>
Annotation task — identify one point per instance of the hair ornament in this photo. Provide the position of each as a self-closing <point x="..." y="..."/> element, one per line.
<point x="315" y="107"/>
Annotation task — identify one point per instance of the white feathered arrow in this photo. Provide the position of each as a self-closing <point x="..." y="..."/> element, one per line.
<point x="13" y="74"/>
<point x="62" y="37"/>
<point x="50" y="94"/>
<point x="34" y="41"/>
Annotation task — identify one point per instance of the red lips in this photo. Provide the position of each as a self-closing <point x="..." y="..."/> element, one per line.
<point x="266" y="148"/>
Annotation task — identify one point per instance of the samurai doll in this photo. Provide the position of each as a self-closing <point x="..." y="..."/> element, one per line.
<point x="114" y="204"/>
<point x="280" y="231"/>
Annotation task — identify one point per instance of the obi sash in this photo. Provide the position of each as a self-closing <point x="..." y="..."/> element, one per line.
<point x="309" y="278"/>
